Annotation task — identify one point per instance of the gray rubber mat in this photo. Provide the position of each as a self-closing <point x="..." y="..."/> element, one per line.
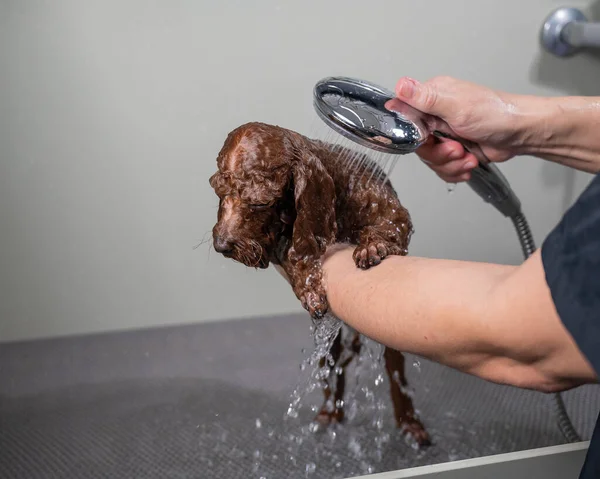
<point x="209" y="401"/>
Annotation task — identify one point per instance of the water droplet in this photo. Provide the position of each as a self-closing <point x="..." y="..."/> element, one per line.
<point x="291" y="412"/>
<point x="382" y="439"/>
<point x="379" y="379"/>
<point x="417" y="365"/>
<point x="352" y="411"/>
<point x="408" y="391"/>
<point x="354" y="447"/>
<point x="258" y="424"/>
<point x="311" y="467"/>
<point x="339" y="403"/>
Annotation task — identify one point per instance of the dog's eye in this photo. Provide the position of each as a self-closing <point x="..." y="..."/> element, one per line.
<point x="260" y="207"/>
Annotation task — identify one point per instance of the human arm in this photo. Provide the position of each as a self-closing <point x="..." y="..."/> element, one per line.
<point x="497" y="322"/>
<point x="559" y="129"/>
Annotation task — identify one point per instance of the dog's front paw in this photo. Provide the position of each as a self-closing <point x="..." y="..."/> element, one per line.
<point x="373" y="252"/>
<point x="315" y="302"/>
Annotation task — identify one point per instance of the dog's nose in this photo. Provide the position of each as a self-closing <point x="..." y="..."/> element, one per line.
<point x="223" y="245"/>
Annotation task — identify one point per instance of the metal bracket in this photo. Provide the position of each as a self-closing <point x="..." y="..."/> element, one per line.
<point x="566" y="31"/>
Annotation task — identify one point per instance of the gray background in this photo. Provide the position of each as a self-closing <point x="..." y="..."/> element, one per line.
<point x="112" y="113"/>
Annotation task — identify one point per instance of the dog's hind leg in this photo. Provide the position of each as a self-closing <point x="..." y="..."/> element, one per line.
<point x="404" y="412"/>
<point x="333" y="410"/>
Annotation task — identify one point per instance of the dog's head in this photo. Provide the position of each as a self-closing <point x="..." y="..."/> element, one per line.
<point x="271" y="185"/>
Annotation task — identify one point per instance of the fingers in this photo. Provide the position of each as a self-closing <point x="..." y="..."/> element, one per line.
<point x="439" y="151"/>
<point x="448" y="159"/>
<point x="455" y="174"/>
<point x="429" y="97"/>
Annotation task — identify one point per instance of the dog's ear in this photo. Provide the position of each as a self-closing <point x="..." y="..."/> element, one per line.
<point x="315" y="226"/>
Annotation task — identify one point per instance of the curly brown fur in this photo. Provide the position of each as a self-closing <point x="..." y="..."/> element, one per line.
<point x="283" y="199"/>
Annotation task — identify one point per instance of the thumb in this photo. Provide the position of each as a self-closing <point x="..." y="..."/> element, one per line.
<point x="425" y="97"/>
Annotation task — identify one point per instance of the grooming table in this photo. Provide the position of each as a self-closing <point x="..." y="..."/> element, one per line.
<point x="183" y="402"/>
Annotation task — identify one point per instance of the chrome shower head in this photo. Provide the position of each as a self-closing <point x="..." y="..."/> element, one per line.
<point x="357" y="110"/>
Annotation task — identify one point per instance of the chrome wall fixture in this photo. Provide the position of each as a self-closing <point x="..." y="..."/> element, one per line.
<point x="567" y="31"/>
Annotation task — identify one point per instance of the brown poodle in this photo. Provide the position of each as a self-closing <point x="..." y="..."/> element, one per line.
<point x="283" y="199"/>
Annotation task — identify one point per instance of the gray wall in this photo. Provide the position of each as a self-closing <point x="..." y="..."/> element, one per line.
<point x="112" y="112"/>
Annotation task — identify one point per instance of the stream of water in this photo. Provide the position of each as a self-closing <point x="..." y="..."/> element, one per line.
<point x="368" y="416"/>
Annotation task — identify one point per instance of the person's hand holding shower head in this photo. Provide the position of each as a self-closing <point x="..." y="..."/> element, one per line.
<point x="497" y="121"/>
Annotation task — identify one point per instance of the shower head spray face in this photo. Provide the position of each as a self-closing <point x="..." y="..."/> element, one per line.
<point x="357" y="110"/>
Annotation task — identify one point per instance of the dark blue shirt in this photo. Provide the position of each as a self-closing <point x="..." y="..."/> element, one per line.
<point x="571" y="258"/>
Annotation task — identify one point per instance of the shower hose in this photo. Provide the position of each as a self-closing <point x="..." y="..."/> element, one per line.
<point x="528" y="246"/>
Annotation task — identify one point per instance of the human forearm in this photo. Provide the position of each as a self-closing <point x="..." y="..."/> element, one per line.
<point x="453" y="312"/>
<point x="413" y="304"/>
<point x="564" y="130"/>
